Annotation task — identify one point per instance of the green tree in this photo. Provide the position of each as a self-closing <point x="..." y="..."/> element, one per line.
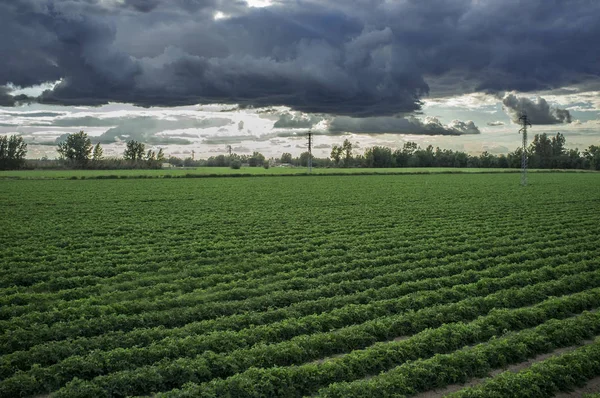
<point x="98" y="153"/>
<point x="160" y="156"/>
<point x="592" y="154"/>
<point x="12" y="152"/>
<point x="76" y="149"/>
<point x="304" y="156"/>
<point x="402" y="157"/>
<point x="558" y="145"/>
<point x="487" y="160"/>
<point x="540" y="151"/>
<point x="336" y="154"/>
<point x="286" y="158"/>
<point x="347" y="148"/>
<point x="151" y="155"/>
<point x="379" y="156"/>
<point x="257" y="159"/>
<point x="134" y="151"/>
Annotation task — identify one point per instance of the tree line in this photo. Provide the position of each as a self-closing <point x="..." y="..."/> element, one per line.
<point x="77" y="151"/>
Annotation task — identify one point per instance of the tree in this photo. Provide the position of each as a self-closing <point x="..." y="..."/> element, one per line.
<point x="236" y="164"/>
<point x="286" y="158"/>
<point x="379" y="156"/>
<point x="257" y="159"/>
<point x="592" y="154"/>
<point x="347" y="148"/>
<point x="151" y="156"/>
<point x="541" y="151"/>
<point x="76" y="149"/>
<point x="336" y="154"/>
<point x="134" y="151"/>
<point x="160" y="156"/>
<point x="486" y="160"/>
<point x="304" y="156"/>
<point x="98" y="153"/>
<point x="12" y="152"/>
<point x="402" y="157"/>
<point x="558" y="145"/>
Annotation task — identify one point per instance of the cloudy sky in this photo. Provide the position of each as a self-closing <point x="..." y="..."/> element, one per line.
<point x="198" y="75"/>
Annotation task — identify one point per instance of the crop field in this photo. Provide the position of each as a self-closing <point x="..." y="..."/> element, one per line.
<point x="244" y="171"/>
<point x="327" y="286"/>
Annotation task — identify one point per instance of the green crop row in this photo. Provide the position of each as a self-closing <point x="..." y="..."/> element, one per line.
<point x="53" y="351"/>
<point x="303" y="380"/>
<point x="543" y="379"/>
<point x="460" y="366"/>
<point x="303" y="348"/>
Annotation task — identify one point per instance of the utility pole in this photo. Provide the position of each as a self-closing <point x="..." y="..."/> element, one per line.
<point x="524" y="122"/>
<point x="309" y="151"/>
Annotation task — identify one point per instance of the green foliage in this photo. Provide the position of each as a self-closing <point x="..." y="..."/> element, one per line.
<point x="98" y="153"/>
<point x="256" y="160"/>
<point x="12" y="152"/>
<point x="236" y="164"/>
<point x="76" y="149"/>
<point x="286" y="158"/>
<point x="592" y="154"/>
<point x="134" y="151"/>
<point x="236" y="287"/>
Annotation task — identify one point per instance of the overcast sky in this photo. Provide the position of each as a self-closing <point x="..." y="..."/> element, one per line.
<point x="199" y="75"/>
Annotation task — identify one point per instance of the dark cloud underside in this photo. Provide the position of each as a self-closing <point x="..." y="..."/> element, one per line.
<point x="359" y="58"/>
<point x="538" y="112"/>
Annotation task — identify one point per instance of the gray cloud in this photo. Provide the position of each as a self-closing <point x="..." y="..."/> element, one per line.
<point x="141" y="128"/>
<point x="34" y="114"/>
<point x="396" y="125"/>
<point x="9" y="100"/>
<point x="538" y="112"/>
<point x="296" y="121"/>
<point x="495" y="123"/>
<point x="361" y="58"/>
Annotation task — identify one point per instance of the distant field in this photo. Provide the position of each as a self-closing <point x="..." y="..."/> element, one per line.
<point x="203" y="171"/>
<point x="345" y="286"/>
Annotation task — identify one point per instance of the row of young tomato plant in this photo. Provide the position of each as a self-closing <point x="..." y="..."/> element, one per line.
<point x="303" y="347"/>
<point x="258" y="299"/>
<point x="258" y="268"/>
<point x="217" y="291"/>
<point x="560" y="373"/>
<point x="323" y="266"/>
<point x="306" y="379"/>
<point x="460" y="366"/>
<point x="50" y="352"/>
<point x="295" y="250"/>
<point x="69" y="272"/>
<point x="20" y="339"/>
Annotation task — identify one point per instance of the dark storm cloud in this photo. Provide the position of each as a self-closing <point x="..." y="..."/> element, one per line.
<point x="395" y="125"/>
<point x="538" y="112"/>
<point x="9" y="100"/>
<point x="358" y="58"/>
